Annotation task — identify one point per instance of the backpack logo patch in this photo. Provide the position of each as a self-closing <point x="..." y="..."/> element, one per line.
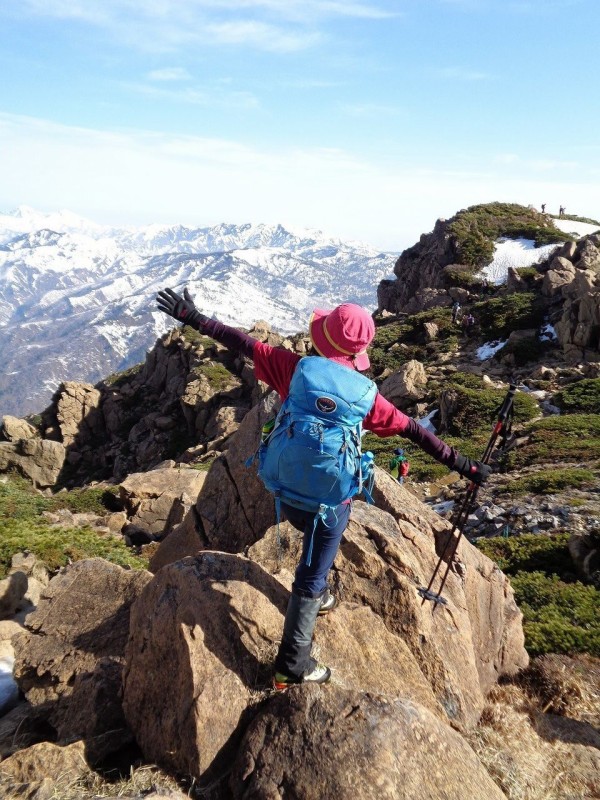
<point x="326" y="405"/>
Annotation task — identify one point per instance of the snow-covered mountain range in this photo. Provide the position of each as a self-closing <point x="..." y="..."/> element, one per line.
<point x="77" y="298"/>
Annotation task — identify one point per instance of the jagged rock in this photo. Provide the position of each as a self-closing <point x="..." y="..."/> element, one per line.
<point x="14" y="429"/>
<point x="41" y="460"/>
<point x="431" y="331"/>
<point x="514" y="282"/>
<point x="158" y="500"/>
<point x="561" y="273"/>
<point x="218" y="616"/>
<point x="71" y="657"/>
<point x="186" y="539"/>
<point x="578" y="329"/>
<point x="405" y="385"/>
<point x="419" y="267"/>
<point x="567" y="250"/>
<point x="588" y="253"/>
<point x="78" y="417"/>
<point x="39" y="771"/>
<point x="487" y="638"/>
<point x="31" y="566"/>
<point x="225" y="421"/>
<point x="354" y="746"/>
<point x="234" y="507"/>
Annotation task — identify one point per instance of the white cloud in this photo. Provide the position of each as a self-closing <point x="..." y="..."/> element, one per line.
<point x="261" y="35"/>
<point x="208" y="97"/>
<point x="136" y="176"/>
<point x="162" y="25"/>
<point x="169" y="74"/>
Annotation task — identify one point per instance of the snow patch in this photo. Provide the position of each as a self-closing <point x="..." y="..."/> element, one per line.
<point x="489" y="349"/>
<point x="548" y="334"/>
<point x="578" y="229"/>
<point x="514" y="253"/>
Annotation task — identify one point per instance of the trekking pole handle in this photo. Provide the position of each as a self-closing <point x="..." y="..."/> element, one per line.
<point x="508" y="401"/>
<point x="503" y="412"/>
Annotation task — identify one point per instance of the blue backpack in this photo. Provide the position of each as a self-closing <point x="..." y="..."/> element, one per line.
<point x="311" y="458"/>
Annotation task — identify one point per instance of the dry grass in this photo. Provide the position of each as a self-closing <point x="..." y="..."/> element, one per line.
<point x="569" y="686"/>
<point x="534" y="755"/>
<point x="140" y="782"/>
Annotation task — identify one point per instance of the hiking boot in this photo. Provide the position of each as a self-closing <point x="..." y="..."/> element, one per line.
<point x="316" y="673"/>
<point x="328" y="603"/>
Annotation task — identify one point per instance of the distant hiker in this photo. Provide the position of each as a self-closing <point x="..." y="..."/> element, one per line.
<point x="543" y="208"/>
<point x="399" y="465"/>
<point x="455" y="310"/>
<point x="467" y="322"/>
<point x="485" y="285"/>
<point x="318" y="391"/>
<point x="561" y="211"/>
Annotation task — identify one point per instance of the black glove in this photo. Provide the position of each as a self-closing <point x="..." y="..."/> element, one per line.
<point x="181" y="308"/>
<point x="475" y="471"/>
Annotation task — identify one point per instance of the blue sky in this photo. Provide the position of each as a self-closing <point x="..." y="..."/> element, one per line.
<point x="367" y="119"/>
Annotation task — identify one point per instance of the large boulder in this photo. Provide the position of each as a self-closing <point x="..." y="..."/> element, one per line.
<point x="43" y="770"/>
<point x="41" y="460"/>
<point x="309" y="744"/>
<point x="386" y="555"/>
<point x="158" y="500"/>
<point x="69" y="662"/>
<point x="206" y="628"/>
<point x="14" y="429"/>
<point x="460" y="650"/>
<point x="201" y="640"/>
<point x="406" y="384"/>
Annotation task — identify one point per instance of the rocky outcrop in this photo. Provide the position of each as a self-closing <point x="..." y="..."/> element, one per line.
<point x="560" y="273"/>
<point x="69" y="660"/>
<point x="212" y="621"/>
<point x="578" y="329"/>
<point x="184" y="402"/>
<point x="354" y="746"/>
<point x="419" y="271"/>
<point x="159" y="499"/>
<point x="233" y="506"/>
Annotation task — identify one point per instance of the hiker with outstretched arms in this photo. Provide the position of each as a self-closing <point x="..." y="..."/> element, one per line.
<point x="314" y="391"/>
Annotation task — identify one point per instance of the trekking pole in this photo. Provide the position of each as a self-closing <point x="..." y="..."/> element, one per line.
<point x="460" y="518"/>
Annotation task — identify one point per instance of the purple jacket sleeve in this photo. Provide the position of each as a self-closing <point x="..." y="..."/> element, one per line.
<point x="430" y="443"/>
<point x="233" y="339"/>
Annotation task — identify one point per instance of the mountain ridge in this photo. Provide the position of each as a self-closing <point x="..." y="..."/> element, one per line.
<point x="77" y="299"/>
